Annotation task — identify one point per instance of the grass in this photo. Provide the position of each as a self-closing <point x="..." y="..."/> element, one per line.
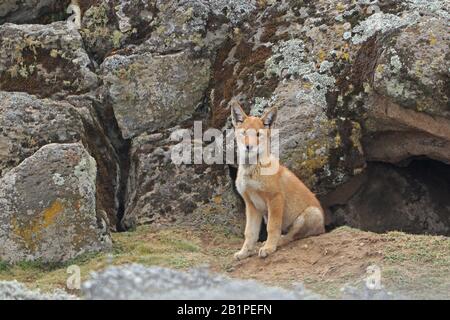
<point x="417" y="263"/>
<point x="409" y="263"/>
<point x="178" y="248"/>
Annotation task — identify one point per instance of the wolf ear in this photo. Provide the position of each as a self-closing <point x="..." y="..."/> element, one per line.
<point x="237" y="114"/>
<point x="269" y="117"/>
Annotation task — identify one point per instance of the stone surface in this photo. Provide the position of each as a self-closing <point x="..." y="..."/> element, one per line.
<point x="151" y="92"/>
<point x="155" y="283"/>
<point x="104" y="143"/>
<point x="28" y="123"/>
<point x="13" y="290"/>
<point x="58" y="222"/>
<point x="353" y="83"/>
<point x="414" y="70"/>
<point x="162" y="192"/>
<point x="45" y="60"/>
<point x="32" y="11"/>
<point x="160" y="26"/>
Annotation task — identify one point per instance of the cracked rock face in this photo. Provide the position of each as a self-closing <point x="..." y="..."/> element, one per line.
<point x="59" y="222"/>
<point x="150" y="92"/>
<point x="162" y="192"/>
<point x="45" y="60"/>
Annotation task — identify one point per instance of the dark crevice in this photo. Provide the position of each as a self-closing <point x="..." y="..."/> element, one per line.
<point x="106" y="116"/>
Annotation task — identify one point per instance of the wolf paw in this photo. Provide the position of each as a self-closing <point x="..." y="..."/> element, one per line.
<point x="265" y="251"/>
<point x="241" y="254"/>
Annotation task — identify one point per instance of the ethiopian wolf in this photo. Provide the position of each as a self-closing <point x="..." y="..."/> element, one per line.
<point x="270" y="190"/>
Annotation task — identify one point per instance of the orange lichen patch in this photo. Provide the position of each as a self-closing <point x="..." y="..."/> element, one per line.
<point x="51" y="213"/>
<point x="30" y="232"/>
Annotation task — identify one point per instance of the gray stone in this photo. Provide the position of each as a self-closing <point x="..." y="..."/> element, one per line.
<point x="48" y="207"/>
<point x="45" y="60"/>
<point x="32" y="11"/>
<point x="139" y="282"/>
<point x="150" y="92"/>
<point x="161" y="26"/>
<point x="414" y="70"/>
<point x="13" y="290"/>
<point x="162" y="192"/>
<point x="28" y="123"/>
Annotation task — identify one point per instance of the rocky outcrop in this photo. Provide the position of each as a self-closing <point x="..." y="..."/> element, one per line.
<point x="14" y="290"/>
<point x="59" y="222"/>
<point x="162" y="192"/>
<point x="353" y="84"/>
<point x="359" y="85"/>
<point x="150" y="92"/>
<point x="45" y="60"/>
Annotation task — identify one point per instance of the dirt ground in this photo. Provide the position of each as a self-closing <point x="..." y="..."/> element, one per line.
<point x="416" y="266"/>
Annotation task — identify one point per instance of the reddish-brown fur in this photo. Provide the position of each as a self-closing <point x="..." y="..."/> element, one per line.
<point x="288" y="206"/>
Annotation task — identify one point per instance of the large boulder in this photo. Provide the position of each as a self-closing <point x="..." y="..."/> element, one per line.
<point x="160" y="191"/>
<point x="45" y="60"/>
<point x="28" y="123"/>
<point x="59" y="222"/>
<point x="150" y="92"/>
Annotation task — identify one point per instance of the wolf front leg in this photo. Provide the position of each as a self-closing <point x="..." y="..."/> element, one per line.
<point x="252" y="227"/>
<point x="275" y="207"/>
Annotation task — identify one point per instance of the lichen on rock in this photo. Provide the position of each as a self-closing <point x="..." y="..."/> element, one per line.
<point x="59" y="222"/>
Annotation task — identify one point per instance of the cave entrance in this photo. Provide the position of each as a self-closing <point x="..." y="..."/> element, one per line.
<point x="412" y="196"/>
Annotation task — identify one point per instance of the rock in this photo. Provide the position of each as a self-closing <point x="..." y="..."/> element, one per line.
<point x="60" y="221"/>
<point x="156" y="283"/>
<point x="394" y="134"/>
<point x="28" y="123"/>
<point x="103" y="141"/>
<point x="13" y="290"/>
<point x="32" y="11"/>
<point x="162" y="192"/>
<point x="45" y="60"/>
<point x="354" y="84"/>
<point x="311" y="143"/>
<point x="160" y="26"/>
<point x="150" y="92"/>
<point x="110" y="25"/>
<point x="414" y="70"/>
